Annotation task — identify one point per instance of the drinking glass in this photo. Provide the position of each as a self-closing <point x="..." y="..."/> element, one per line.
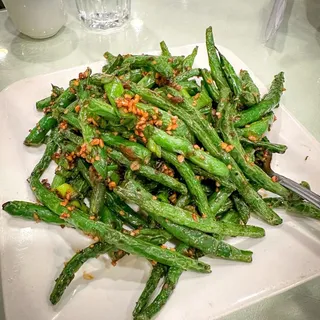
<point x="37" y="19"/>
<point x="104" y="14"/>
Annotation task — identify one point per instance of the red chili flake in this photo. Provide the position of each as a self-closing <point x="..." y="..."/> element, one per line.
<point x="195" y="217"/>
<point x="65" y="215"/>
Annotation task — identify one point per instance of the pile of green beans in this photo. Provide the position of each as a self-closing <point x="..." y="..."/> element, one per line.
<point x="188" y="153"/>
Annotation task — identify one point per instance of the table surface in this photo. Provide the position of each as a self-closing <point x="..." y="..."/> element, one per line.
<point x="239" y="26"/>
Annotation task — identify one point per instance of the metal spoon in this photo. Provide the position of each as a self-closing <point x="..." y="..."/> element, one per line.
<point x="290" y="184"/>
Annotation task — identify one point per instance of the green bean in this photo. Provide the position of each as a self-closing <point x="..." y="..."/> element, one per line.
<point x="66" y="173"/>
<point x="103" y="109"/>
<point x="97" y="199"/>
<point x="73" y="265"/>
<point x="122" y="71"/>
<point x="271" y="147"/>
<point x="184" y="94"/>
<point x="114" y="90"/>
<point x="204" y="242"/>
<point x="305" y="184"/>
<point x="39" y="132"/>
<point x="68" y="134"/>
<point x="113" y="167"/>
<point x="185" y="148"/>
<point x="95" y="91"/>
<point x="114" y="62"/>
<point x="217" y="200"/>
<point x="114" y="175"/>
<point x="80" y="185"/>
<point x="43" y="103"/>
<point x="296" y="197"/>
<point x="108" y="217"/>
<point x="182" y="217"/>
<point x="224" y="101"/>
<point x="151" y="186"/>
<point x="96" y="153"/>
<point x="148" y="81"/>
<point x="256" y="129"/>
<point x="207" y="111"/>
<point x="100" y="79"/>
<point x="132" y="150"/>
<point x="71" y="119"/>
<point x="183" y="200"/>
<point x="269" y="101"/>
<point x="134" y="75"/>
<point x="80" y="205"/>
<point x="225" y="207"/>
<point x="184" y="76"/>
<point x="64" y="189"/>
<point x="202" y="173"/>
<point x="158" y="271"/>
<point x="202" y="100"/>
<point x="110" y="58"/>
<point x="48" y="101"/>
<point x="193" y="184"/>
<point x="64" y="100"/>
<point x="81" y="166"/>
<point x="169" y="285"/>
<point x="124" y="242"/>
<point x="159" y="64"/>
<point x="191" y="87"/>
<point x="164" y="49"/>
<point x="304" y="208"/>
<point x="276" y="202"/>
<point x="166" y="119"/>
<point x="70" y="108"/>
<point x="208" y="189"/>
<point x="250" y="92"/>
<point x="231" y="76"/>
<point x="32" y="211"/>
<point x="212" y="142"/>
<point x="214" y="61"/>
<point x="177" y="62"/>
<point x="252" y="171"/>
<point x="189" y="60"/>
<point x="154" y="236"/>
<point x="123" y="211"/>
<point x="231" y="216"/>
<point x="57" y="181"/>
<point x="210" y="85"/>
<point x="242" y="209"/>
<point x="249" y="152"/>
<point x="299" y="207"/>
<point x="163" y="195"/>
<point x="66" y="147"/>
<point x="56" y="91"/>
<point x="46" y="158"/>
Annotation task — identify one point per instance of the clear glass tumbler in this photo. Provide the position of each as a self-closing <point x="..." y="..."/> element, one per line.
<point x="104" y="14"/>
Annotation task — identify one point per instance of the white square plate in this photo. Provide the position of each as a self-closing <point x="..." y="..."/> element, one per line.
<point x="32" y="255"/>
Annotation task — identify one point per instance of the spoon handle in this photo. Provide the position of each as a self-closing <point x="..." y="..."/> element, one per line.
<point x="300" y="190"/>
